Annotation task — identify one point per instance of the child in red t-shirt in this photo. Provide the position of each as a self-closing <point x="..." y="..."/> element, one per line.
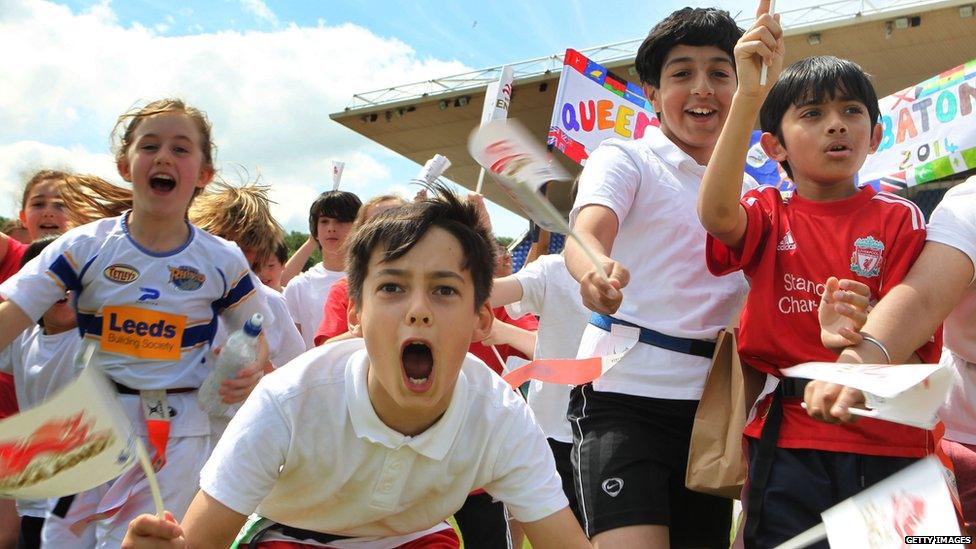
<point x="820" y="122"/>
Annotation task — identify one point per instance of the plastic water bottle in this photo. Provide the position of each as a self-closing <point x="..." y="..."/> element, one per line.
<point x="239" y="351"/>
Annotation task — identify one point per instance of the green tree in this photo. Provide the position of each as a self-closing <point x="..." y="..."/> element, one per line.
<point x="505" y="240"/>
<point x="294" y="240"/>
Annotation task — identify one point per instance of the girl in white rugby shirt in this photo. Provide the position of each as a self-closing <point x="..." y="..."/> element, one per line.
<point x="148" y="289"/>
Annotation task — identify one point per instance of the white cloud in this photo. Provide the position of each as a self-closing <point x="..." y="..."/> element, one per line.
<point x="20" y="160"/>
<point x="260" y="10"/>
<point x="268" y="95"/>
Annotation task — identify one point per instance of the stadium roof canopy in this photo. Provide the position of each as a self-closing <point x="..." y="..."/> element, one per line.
<point x="899" y="42"/>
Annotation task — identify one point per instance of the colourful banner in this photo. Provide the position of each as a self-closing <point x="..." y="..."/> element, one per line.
<point x="593" y="104"/>
<point x="929" y="132"/>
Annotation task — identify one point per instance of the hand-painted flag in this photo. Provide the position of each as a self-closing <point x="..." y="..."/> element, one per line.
<point x="434" y="168"/>
<point x="337" y="167"/>
<point x="912" y="503"/>
<point x="76" y="440"/>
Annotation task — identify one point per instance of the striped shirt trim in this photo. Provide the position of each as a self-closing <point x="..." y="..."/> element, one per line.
<point x="918" y="220"/>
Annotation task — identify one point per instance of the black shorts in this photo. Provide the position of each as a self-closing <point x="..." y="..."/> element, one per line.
<point x="561" y="453"/>
<point x="629" y="458"/>
<point x="804" y="483"/>
<point x="483" y="523"/>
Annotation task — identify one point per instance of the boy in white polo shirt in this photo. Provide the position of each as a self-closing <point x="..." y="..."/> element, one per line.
<point x="381" y="439"/>
<point x="636" y="203"/>
<point x="329" y="221"/>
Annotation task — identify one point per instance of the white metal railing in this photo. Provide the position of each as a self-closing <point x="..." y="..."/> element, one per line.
<point x="826" y="13"/>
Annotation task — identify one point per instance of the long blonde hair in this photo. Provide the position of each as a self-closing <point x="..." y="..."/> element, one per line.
<point x="89" y="198"/>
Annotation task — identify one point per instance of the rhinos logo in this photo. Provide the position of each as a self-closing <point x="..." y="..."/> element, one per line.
<point x="186" y="278"/>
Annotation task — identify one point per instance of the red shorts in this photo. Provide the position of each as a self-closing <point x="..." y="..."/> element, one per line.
<point x="442" y="539"/>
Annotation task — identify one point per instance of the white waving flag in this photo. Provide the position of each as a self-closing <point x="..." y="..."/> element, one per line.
<point x="76" y="440"/>
<point x="337" y="167"/>
<point x="905" y="508"/>
<point x="910" y="394"/>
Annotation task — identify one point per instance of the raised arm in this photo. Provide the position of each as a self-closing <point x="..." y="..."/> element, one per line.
<point x="295" y="263"/>
<point x="718" y="200"/>
<point x="505" y="290"/>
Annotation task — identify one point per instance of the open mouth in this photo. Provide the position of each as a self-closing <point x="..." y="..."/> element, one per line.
<point x="162" y="183"/>
<point x="838" y="150"/>
<point x="50" y="227"/>
<point x="418" y="365"/>
<point x="701" y="113"/>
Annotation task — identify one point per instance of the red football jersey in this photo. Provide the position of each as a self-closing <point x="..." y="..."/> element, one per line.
<point x="484" y="352"/>
<point x="791" y="246"/>
<point x="8" y="268"/>
<point x="334" y="316"/>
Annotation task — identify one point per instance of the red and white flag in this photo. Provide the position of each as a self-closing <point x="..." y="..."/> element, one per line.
<point x="912" y="507"/>
<point x="337" y="167"/>
<point x="76" y="440"/>
<point x="910" y="394"/>
<point x="568" y="371"/>
<point x="520" y="167"/>
<point x="434" y="168"/>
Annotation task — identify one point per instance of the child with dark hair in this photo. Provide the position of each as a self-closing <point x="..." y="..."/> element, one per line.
<point x="820" y="118"/>
<point x="632" y="426"/>
<point x="383" y="437"/>
<point x="329" y="220"/>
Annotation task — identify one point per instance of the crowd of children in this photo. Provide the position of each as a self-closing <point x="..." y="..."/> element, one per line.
<point x="374" y="411"/>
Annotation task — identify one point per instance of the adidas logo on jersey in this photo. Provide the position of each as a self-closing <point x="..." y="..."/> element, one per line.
<point x="787" y="244"/>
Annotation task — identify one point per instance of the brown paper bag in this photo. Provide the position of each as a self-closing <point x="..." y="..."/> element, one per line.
<point x="716" y="464"/>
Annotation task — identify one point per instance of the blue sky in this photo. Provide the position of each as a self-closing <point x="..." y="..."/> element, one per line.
<point x="267" y="75"/>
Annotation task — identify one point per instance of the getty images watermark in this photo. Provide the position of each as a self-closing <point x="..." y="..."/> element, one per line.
<point x="937" y="540"/>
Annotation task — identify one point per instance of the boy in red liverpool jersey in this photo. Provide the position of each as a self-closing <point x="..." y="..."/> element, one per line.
<point x="819" y="122"/>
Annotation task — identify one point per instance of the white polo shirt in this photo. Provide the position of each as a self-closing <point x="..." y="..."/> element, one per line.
<point x="652" y="187"/>
<point x="305" y="295"/>
<point x="307" y="450"/>
<point x="549" y="291"/>
<point x="953" y="223"/>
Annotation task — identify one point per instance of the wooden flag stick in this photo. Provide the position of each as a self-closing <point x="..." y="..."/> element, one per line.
<point x="765" y="68"/>
<point x="150" y="476"/>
